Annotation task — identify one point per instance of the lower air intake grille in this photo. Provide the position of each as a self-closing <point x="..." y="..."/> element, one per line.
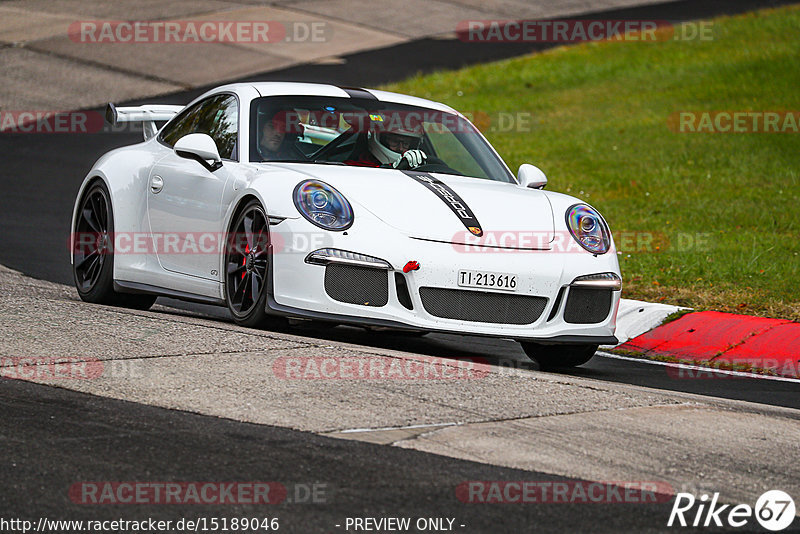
<point x="480" y="306"/>
<point x="357" y="285"/>
<point x="587" y="306"/>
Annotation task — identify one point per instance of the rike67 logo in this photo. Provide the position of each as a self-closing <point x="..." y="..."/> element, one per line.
<point x="774" y="510"/>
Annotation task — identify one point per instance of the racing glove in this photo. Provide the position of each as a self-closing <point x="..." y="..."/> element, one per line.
<point x="410" y="159"/>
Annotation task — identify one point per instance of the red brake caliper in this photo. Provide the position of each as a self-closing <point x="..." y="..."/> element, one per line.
<point x="244" y="260"/>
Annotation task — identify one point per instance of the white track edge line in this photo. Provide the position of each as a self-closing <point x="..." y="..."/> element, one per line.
<point x="409" y="427"/>
<point x="700" y="368"/>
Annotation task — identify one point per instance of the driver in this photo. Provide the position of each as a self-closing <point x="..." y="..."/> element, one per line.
<point x="274" y="141"/>
<point x="398" y="148"/>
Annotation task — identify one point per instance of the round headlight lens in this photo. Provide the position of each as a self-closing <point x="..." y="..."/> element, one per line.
<point x="319" y="199"/>
<point x="323" y="205"/>
<point x="588" y="228"/>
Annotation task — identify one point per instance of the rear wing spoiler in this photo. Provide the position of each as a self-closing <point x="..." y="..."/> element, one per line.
<point x="147" y="115"/>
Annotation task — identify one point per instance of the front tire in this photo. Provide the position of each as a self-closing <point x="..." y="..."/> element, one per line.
<point x="551" y="357"/>
<point x="93" y="252"/>
<point x="246" y="267"/>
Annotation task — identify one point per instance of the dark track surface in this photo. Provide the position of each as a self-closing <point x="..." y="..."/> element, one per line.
<point x="53" y="438"/>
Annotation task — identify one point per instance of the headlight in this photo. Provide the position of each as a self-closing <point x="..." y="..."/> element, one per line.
<point x="588" y="228"/>
<point x="323" y="205"/>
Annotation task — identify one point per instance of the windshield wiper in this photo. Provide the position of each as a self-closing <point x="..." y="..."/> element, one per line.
<point x="318" y="161"/>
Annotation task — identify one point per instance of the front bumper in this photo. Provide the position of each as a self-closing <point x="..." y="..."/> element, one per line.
<point x="298" y="289"/>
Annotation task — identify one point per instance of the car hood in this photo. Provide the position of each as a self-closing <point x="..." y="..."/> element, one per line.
<point x="508" y="215"/>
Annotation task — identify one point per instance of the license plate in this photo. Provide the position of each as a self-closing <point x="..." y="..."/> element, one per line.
<point x="487" y="280"/>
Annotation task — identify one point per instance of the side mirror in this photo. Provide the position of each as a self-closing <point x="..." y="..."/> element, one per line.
<point x="201" y="148"/>
<point x="531" y="176"/>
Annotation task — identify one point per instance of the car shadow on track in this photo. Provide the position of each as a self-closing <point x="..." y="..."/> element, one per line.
<point x="498" y="352"/>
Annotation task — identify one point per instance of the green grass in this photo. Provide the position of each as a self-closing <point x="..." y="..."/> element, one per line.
<point x="600" y="132"/>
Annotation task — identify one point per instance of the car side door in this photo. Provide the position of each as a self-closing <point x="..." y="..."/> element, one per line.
<point x="184" y="198"/>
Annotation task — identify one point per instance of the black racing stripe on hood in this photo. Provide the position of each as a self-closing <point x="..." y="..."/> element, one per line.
<point x="357" y="92"/>
<point x="450" y="198"/>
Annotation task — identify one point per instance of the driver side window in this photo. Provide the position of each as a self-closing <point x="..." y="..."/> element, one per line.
<point x="216" y="116"/>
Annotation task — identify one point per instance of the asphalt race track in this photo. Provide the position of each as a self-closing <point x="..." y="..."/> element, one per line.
<point x="53" y="437"/>
<point x="61" y="437"/>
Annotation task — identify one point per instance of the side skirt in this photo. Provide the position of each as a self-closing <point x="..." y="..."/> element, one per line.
<point x="122" y="286"/>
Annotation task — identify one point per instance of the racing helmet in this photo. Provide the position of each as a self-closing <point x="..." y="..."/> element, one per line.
<point x="380" y="141"/>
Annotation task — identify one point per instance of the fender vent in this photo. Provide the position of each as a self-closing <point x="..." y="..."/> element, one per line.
<point x="482" y="306"/>
<point x="587" y="305"/>
<point x="354" y="284"/>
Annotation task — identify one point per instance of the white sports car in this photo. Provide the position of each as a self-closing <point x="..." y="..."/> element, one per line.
<point x="343" y="206"/>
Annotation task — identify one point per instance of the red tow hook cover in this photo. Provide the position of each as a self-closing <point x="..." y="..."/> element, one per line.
<point x="411" y="266"/>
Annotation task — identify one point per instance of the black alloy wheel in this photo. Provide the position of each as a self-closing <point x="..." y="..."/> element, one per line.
<point x="93" y="252"/>
<point x="246" y="266"/>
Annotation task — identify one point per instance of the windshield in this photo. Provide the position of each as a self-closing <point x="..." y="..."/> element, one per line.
<point x="369" y="133"/>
